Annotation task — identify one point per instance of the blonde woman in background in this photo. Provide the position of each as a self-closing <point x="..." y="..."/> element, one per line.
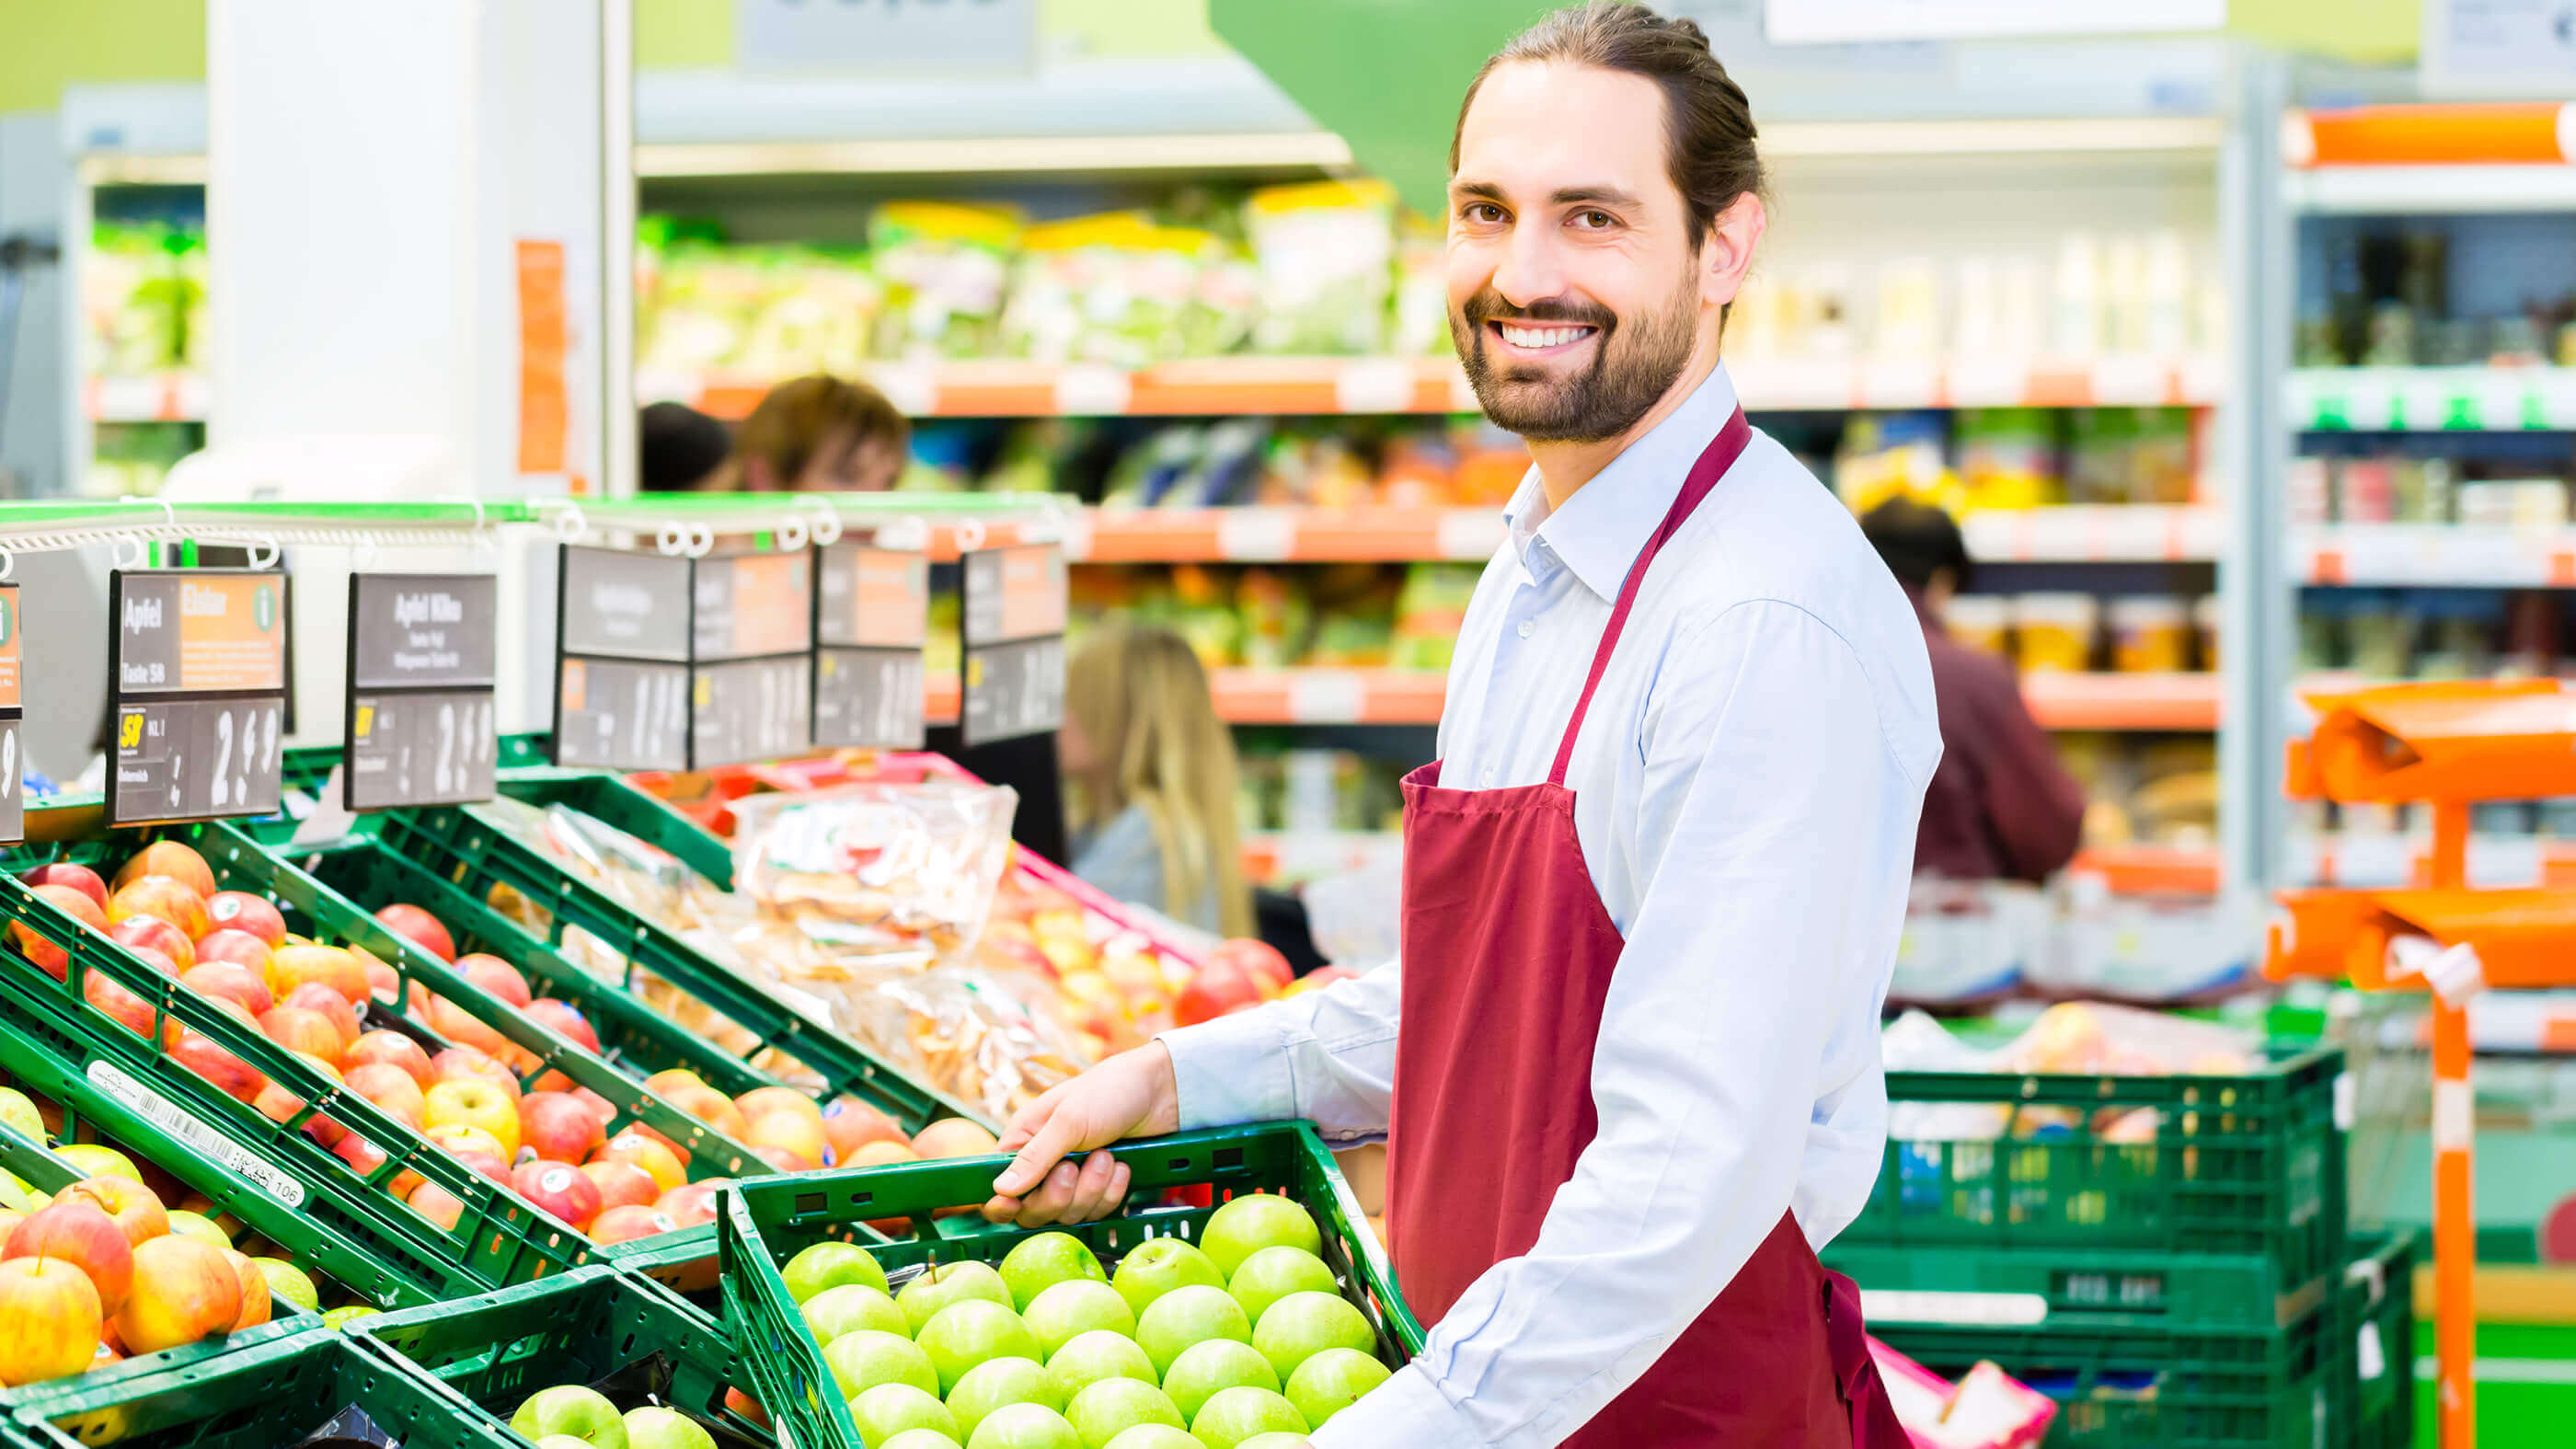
<point x="1150" y="779"/>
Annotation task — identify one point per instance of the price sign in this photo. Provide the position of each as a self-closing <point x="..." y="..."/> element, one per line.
<point x="197" y="673"/>
<point x="871" y="617"/>
<point x="622" y="632"/>
<point x="421" y="726"/>
<point x="1014" y="616"/>
<point x="751" y="691"/>
<point x="13" y="797"/>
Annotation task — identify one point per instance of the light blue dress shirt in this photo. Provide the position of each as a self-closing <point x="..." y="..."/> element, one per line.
<point x="1746" y="787"/>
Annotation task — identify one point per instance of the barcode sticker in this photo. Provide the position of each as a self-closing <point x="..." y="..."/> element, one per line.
<point x="205" y="1141"/>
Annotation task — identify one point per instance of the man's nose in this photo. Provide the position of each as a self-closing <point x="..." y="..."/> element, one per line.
<point x="1530" y="270"/>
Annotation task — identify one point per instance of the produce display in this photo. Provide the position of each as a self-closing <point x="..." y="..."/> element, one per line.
<point x="2388" y="301"/>
<point x="143" y="297"/>
<point x="1294" y="462"/>
<point x="1212" y="1344"/>
<point x="1978" y="459"/>
<point x="569" y="1414"/>
<point x="1353" y="616"/>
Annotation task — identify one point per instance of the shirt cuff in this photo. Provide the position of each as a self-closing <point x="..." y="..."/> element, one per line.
<point x="1407" y="1410"/>
<point x="1233" y="1069"/>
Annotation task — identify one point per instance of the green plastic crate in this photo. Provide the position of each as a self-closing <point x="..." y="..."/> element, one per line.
<point x="308" y="767"/>
<point x="1989" y="1285"/>
<point x="595" y="1325"/>
<point x="476" y="855"/>
<point x="2045" y="1166"/>
<point x="2374" y="1384"/>
<point x="145" y="1095"/>
<point x="2128" y="1387"/>
<point x="765" y="1223"/>
<point x="264" y="1396"/>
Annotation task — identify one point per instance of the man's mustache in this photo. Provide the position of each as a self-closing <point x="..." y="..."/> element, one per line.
<point x="1489" y="306"/>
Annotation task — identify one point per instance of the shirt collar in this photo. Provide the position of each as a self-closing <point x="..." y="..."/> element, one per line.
<point x="1602" y="528"/>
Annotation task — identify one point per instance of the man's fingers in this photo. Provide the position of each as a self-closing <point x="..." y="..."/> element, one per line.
<point x="1091" y="1193"/>
<point x="1024" y="1123"/>
<point x="1049" y="1202"/>
<point x="1044" y="1149"/>
<point x="1002" y="1210"/>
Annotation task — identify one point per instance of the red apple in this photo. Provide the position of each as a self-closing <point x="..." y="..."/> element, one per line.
<point x="168" y="858"/>
<point x="628" y="1222"/>
<point x="443" y="1208"/>
<point x="199" y="1053"/>
<point x="1319" y="978"/>
<point x="242" y="911"/>
<point x="851" y="1124"/>
<point x="457" y="1063"/>
<point x="365" y="1157"/>
<point x="560" y="1189"/>
<point x="241" y="948"/>
<point x="761" y="1101"/>
<point x="224" y="981"/>
<point x="330" y="1005"/>
<point x="747" y="1406"/>
<point x="300" y="1030"/>
<point x="50" y="958"/>
<point x="1219" y="988"/>
<point x="391" y="1089"/>
<point x="566" y="1021"/>
<point x="137" y="1213"/>
<point x="794" y="1133"/>
<point x="955" y="1137"/>
<point x="160" y="897"/>
<point x="496" y="976"/>
<point x="292" y="966"/>
<point x="656" y="1159"/>
<point x="420" y="927"/>
<point x="691" y="1203"/>
<point x="154" y="934"/>
<point x="77" y="1231"/>
<point x="391" y="1048"/>
<point x="782" y="1159"/>
<point x="183" y="1291"/>
<point x="79" y="877"/>
<point x="709" y="1106"/>
<point x="255" y="1304"/>
<point x="559" y="1128"/>
<point x="488" y="1164"/>
<point x="1258" y="958"/>
<point x="53" y="1316"/>
<point x="129" y="1010"/>
<point x="600" y="1107"/>
<point x="465" y="1028"/>
<point x="621" y="1184"/>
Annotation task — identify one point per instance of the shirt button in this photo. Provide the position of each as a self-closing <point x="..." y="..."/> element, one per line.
<point x="1526" y="627"/>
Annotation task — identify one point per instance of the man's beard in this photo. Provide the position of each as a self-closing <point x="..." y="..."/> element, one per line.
<point x="1628" y="376"/>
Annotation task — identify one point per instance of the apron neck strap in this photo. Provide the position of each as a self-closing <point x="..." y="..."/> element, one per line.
<point x="1719" y="456"/>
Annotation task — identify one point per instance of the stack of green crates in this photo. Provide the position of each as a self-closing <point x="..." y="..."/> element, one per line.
<point x="2166" y="1256"/>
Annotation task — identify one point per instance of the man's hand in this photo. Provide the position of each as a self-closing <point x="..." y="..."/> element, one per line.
<point x="1130" y="1095"/>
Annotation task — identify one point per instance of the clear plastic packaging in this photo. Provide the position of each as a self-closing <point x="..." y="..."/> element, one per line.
<point x="878" y="869"/>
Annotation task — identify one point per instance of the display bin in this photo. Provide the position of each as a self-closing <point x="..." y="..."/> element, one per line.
<point x="598" y="1325"/>
<point x="1989" y="1285"/>
<point x="767" y="1222"/>
<point x="478" y="857"/>
<point x="140" y="1089"/>
<point x="267" y="1395"/>
<point x="2048" y="1166"/>
<point x="2374" y="1405"/>
<point x="2130" y="1387"/>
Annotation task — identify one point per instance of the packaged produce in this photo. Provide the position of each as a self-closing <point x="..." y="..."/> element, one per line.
<point x="2205" y="615"/>
<point x="878" y="869"/>
<point x="2008" y="458"/>
<point x="1117" y="290"/>
<point x="1429" y="614"/>
<point x="1967" y="940"/>
<point x="143" y="298"/>
<point x="2055" y="630"/>
<point x="1980" y="621"/>
<point x="1421" y="324"/>
<point x="2149" y="634"/>
<point x="1325" y="252"/>
<point x="946" y="268"/>
<point x="1893" y="455"/>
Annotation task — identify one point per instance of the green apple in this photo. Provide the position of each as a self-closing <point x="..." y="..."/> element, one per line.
<point x="1099" y="1354"/>
<point x="96" y="1161"/>
<point x="998" y="1381"/>
<point x="890" y="1409"/>
<point x="1236" y="1415"/>
<point x="1273" y="1274"/>
<point x="1302" y="1325"/>
<point x="343" y="1317"/>
<point x="1111" y="1407"/>
<point x="851" y="1307"/>
<point x="829" y="1265"/>
<point x="945" y="1283"/>
<point x="19" y="1114"/>
<point x="866" y="1357"/>
<point x="15" y="1195"/>
<point x="1256" y="1221"/>
<point x="1275" y="1439"/>
<point x="1160" y="1265"/>
<point x="1186" y="1316"/>
<point x="1153" y="1436"/>
<point x="583" y="1413"/>
<point x="562" y="1441"/>
<point x="1043" y="1261"/>
<point x="288" y="1282"/>
<point x="1208" y="1369"/>
<point x="1024" y="1426"/>
<point x="1066" y="1311"/>
<point x="199" y="1227"/>
<point x="659" y="1428"/>
<point x="1332" y="1381"/>
<point x="919" y="1439"/>
<point x="967" y="1333"/>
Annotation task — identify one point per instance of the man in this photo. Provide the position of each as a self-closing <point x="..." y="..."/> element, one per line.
<point x="2000" y="807"/>
<point x="682" y="450"/>
<point x="824" y="434"/>
<point x="1628" y="1056"/>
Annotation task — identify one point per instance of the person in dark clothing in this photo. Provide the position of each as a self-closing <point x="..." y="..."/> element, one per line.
<point x="683" y="450"/>
<point x="1999" y="807"/>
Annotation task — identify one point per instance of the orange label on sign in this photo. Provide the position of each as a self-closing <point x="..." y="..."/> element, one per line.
<point x="545" y="422"/>
<point x="1033" y="597"/>
<point x="771" y="605"/>
<point x="888" y="603"/>
<point x="232" y="633"/>
<point x="9" y="654"/>
<point x="576" y="685"/>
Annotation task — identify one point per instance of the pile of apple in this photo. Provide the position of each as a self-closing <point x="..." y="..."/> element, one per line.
<point x="573" y="1416"/>
<point x="104" y="1269"/>
<point x="1240" y="1342"/>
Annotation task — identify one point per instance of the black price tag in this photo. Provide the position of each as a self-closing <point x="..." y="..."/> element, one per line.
<point x="871" y="617"/>
<point x="1013" y="616"/>
<point x="13" y="749"/>
<point x="197" y="669"/>
<point x="676" y="664"/>
<point x="421" y="724"/>
<point x="751" y="692"/>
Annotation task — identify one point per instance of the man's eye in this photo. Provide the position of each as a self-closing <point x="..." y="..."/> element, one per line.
<point x="1594" y="220"/>
<point x="1482" y="211"/>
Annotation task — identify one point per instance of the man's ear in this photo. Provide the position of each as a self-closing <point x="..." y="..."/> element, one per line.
<point x="1726" y="254"/>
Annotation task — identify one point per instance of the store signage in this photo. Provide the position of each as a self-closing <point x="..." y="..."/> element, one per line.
<point x="420" y="721"/>
<point x="2507" y="49"/>
<point x="197" y="671"/>
<point x="1810" y="22"/>
<point x="887" y="35"/>
<point x="1013" y="661"/>
<point x="13" y="748"/>
<point x="752" y="650"/>
<point x="871" y="618"/>
<point x="621" y="660"/>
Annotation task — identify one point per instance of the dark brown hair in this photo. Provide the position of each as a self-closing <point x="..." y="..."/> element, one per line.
<point x="1708" y="124"/>
<point x="797" y="417"/>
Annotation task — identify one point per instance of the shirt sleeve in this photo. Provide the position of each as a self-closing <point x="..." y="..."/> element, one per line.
<point x="1775" y="815"/>
<point x="1325" y="1055"/>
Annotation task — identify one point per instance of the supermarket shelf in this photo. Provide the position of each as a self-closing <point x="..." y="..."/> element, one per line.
<point x="2432" y="399"/>
<point x="998" y="155"/>
<point x="2431" y="190"/>
<point x="170" y="397"/>
<point x="2144" y="870"/>
<point x="1369" y="385"/>
<point x="1273" y="855"/>
<point x="2526" y="133"/>
<point x="2097" y="533"/>
<point x="2434" y="555"/>
<point x="2180" y="701"/>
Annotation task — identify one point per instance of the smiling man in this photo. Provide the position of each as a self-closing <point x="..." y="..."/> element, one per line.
<point x="1627" y="1060"/>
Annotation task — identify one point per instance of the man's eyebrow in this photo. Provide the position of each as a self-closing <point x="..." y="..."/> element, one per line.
<point x="1482" y="190"/>
<point x="1605" y="195"/>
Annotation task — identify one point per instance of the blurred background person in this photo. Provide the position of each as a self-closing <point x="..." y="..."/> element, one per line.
<point x="2000" y="807"/>
<point x="683" y="450"/>
<point x="824" y="434"/>
<point x="1150" y="777"/>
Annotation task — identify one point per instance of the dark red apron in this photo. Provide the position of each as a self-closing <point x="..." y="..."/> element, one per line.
<point x="1507" y="955"/>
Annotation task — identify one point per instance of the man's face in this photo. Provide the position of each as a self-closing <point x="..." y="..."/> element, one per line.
<point x="1575" y="290"/>
<point x="845" y="462"/>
